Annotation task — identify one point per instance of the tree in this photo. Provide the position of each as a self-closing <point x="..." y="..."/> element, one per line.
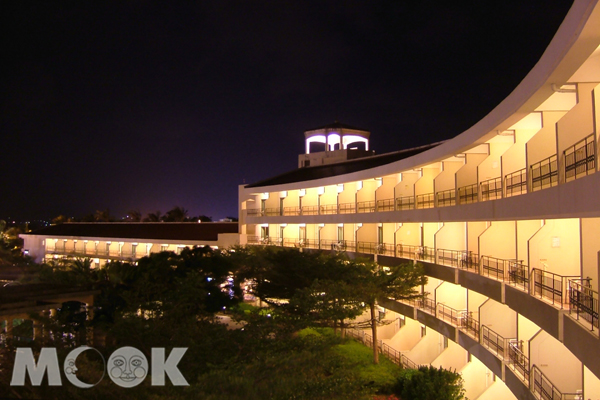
<point x="153" y="217"/>
<point x="400" y="282"/>
<point x="102" y="215"/>
<point x="176" y="214"/>
<point x="134" y="216"/>
<point x="328" y="300"/>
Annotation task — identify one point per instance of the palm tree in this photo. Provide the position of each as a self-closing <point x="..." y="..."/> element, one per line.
<point x="176" y="214"/>
<point x="102" y="216"/>
<point x="153" y="217"/>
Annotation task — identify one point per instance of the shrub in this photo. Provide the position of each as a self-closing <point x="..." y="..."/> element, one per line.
<point x="430" y="383"/>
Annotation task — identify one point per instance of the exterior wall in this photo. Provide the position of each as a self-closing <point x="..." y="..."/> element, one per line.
<point x="100" y="250"/>
<point x="507" y="261"/>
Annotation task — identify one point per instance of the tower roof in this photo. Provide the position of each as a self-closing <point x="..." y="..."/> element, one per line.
<point x="336" y="125"/>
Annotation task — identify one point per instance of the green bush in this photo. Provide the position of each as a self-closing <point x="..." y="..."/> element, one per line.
<point x="429" y="383"/>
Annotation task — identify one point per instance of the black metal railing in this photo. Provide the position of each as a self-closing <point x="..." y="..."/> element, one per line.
<point x="426" y="200"/>
<point x="467" y="194"/>
<point x="310" y="210"/>
<point x="544" y="174"/>
<point x="385" y="205"/>
<point x="495" y="342"/>
<point x="405" y="203"/>
<point x="449" y="257"/>
<point x="347" y="208"/>
<point x="551" y="286"/>
<point x="292" y="211"/>
<point x="408" y="363"/>
<point x="542" y="386"/>
<point x="495" y="268"/>
<point x="470" y="324"/>
<point x="338" y="245"/>
<point x="518" y="275"/>
<point x="426" y="304"/>
<point x="584" y="301"/>
<point x="415" y="252"/>
<point x="450" y="314"/>
<point x="271" y="212"/>
<point x="254" y="212"/>
<point x="469" y="261"/>
<point x="516" y="183"/>
<point x="446" y="198"/>
<point x="580" y="159"/>
<point x="517" y="359"/>
<point x="491" y="189"/>
<point x="365" y="206"/>
<point x="375" y="248"/>
<point x="328" y="209"/>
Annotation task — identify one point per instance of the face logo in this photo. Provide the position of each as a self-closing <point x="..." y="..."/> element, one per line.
<point x="127" y="367"/>
<point x="70" y="367"/>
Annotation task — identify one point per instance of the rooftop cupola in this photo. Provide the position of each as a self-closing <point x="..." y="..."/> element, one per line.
<point x="334" y="143"/>
<point x="336" y="136"/>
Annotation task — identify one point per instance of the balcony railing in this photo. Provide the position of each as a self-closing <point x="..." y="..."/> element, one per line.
<point x="544" y="174"/>
<point x="415" y="252"/>
<point x="426" y="304"/>
<point x="496" y="268"/>
<point x="450" y="314"/>
<point x="470" y="324"/>
<point x="365" y="206"/>
<point x="467" y="194"/>
<point x="584" y="301"/>
<point x="392" y="354"/>
<point x="491" y="189"/>
<point x="254" y="212"/>
<point x="580" y="159"/>
<point x="375" y="248"/>
<point x="87" y="252"/>
<point x="291" y="211"/>
<point x="421" y="253"/>
<point x="458" y="258"/>
<point x="328" y="209"/>
<point x="518" y="275"/>
<point x="347" y="208"/>
<point x="426" y="200"/>
<point x="385" y="205"/>
<point x="310" y="210"/>
<point x="518" y="360"/>
<point x="495" y="342"/>
<point x="446" y="198"/>
<point x="405" y="203"/>
<point x="338" y="245"/>
<point x="551" y="286"/>
<point x="516" y="183"/>
<point x="272" y="212"/>
<point x="545" y="389"/>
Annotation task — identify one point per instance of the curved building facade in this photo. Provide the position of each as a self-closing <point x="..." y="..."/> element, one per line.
<point x="505" y="217"/>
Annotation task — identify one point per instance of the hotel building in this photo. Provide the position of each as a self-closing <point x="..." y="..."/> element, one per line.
<point x="124" y="241"/>
<point x="505" y="218"/>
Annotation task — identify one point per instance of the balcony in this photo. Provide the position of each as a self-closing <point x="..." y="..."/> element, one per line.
<point x="580" y="159"/>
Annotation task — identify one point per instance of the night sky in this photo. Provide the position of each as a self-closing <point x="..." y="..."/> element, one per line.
<point x="149" y="105"/>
